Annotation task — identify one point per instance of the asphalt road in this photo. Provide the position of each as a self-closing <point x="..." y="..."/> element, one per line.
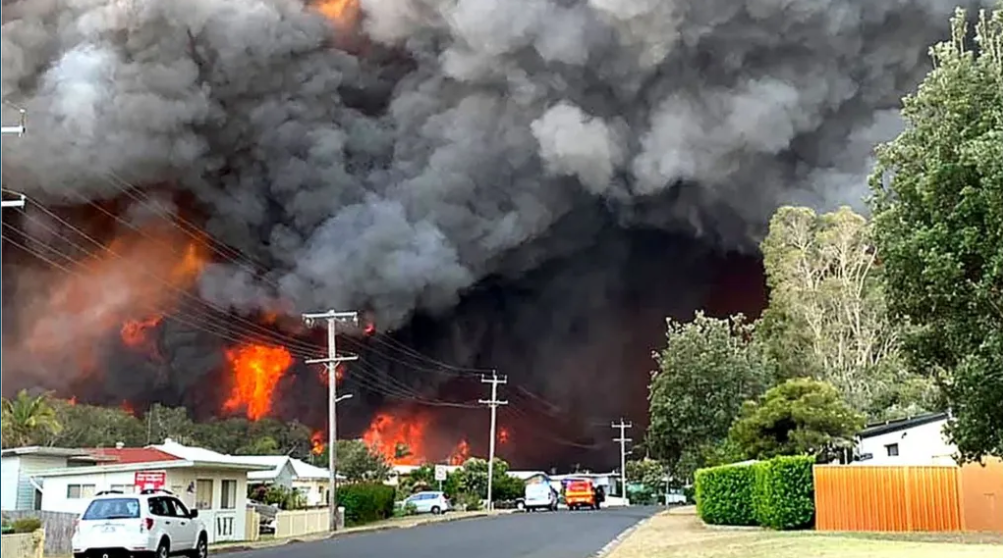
<point x="561" y="534"/>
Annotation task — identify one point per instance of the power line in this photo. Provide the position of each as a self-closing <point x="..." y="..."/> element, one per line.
<point x="493" y="403"/>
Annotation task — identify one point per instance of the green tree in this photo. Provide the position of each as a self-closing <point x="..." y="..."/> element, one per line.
<point x="28" y="420"/>
<point x="799" y="416"/>
<point x="648" y="472"/>
<point x="827" y="317"/>
<point x="358" y="462"/>
<point x="92" y="426"/>
<point x="172" y="422"/>
<point x="706" y="370"/>
<point x="472" y="479"/>
<point x="938" y="210"/>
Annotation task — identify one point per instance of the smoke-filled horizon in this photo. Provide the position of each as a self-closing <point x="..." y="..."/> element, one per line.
<point x="460" y="131"/>
<point x="497" y="163"/>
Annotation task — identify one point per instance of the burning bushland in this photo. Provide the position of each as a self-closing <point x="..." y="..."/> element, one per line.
<point x="527" y="185"/>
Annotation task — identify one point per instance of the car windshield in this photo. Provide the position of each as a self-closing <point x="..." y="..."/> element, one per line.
<point x="113" y="508"/>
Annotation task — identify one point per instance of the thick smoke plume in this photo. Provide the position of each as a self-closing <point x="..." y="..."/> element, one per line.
<point x="398" y="171"/>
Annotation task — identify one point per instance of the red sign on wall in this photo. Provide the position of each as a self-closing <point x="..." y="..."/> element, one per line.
<point x="150" y="480"/>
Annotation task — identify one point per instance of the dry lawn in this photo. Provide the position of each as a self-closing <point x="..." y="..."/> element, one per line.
<point x="684" y="536"/>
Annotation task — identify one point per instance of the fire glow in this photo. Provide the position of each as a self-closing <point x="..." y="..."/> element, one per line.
<point x="124" y="290"/>
<point x="317" y="445"/>
<point x="257" y="370"/>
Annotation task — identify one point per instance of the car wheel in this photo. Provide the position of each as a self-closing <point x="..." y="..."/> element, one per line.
<point x="202" y="548"/>
<point x="521" y="506"/>
<point x="163" y="549"/>
<point x="436" y="510"/>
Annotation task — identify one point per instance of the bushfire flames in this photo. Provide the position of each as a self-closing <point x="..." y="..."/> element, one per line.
<point x="123" y="291"/>
<point x="405" y="441"/>
<point x="344" y="13"/>
<point x="257" y="370"/>
<point x="137" y="334"/>
<point x="317" y="445"/>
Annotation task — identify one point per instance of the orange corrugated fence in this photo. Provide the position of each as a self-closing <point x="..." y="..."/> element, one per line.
<point x="932" y="499"/>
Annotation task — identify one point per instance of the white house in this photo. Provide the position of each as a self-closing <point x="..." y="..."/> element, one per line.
<point x="916" y="440"/>
<point x="19" y="465"/>
<point x="311" y="482"/>
<point x="213" y="483"/>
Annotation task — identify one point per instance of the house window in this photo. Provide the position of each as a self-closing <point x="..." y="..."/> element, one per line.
<point x="123" y="488"/>
<point x="78" y="491"/>
<point x="229" y="495"/>
<point x="892" y="449"/>
<point x="203" y="494"/>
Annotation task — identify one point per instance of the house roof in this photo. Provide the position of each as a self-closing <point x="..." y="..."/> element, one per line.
<point x="44" y="451"/>
<point x="276" y="463"/>
<point x="525" y="475"/>
<point x="307" y="471"/>
<point x="899" y="425"/>
<point x="132" y="455"/>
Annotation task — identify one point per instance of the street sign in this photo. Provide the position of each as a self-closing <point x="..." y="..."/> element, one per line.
<point x="440" y="473"/>
<point x="150" y="480"/>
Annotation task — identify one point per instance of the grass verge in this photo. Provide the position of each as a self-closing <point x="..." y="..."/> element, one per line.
<point x="685" y="536"/>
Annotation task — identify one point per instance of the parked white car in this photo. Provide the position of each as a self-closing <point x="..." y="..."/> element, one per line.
<point x="428" y="502"/>
<point x="152" y="522"/>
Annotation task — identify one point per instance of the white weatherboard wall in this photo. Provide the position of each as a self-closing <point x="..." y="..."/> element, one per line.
<point x="925" y="444"/>
<point x="17" y="470"/>
<point x="55" y="495"/>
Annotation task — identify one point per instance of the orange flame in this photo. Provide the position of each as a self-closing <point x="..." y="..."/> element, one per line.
<point x="257" y="370"/>
<point x="72" y="401"/>
<point x="140" y="275"/>
<point x="503" y="436"/>
<point x="388" y="434"/>
<point x="460" y="454"/>
<point x="317" y="443"/>
<point x="136" y="334"/>
<point x="343" y="13"/>
<point x="127" y="407"/>
<point x="369" y="329"/>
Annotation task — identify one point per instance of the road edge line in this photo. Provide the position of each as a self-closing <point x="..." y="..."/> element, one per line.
<point x="616" y="542"/>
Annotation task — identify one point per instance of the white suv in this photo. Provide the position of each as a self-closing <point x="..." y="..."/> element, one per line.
<point x="153" y="522"/>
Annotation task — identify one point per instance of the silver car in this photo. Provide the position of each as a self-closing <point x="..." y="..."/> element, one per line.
<point x="428" y="502"/>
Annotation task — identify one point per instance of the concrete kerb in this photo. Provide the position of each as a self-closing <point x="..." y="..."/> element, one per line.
<point x="613" y="544"/>
<point x="365" y="529"/>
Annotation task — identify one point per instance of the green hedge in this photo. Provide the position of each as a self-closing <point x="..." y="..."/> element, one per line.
<point x="724" y="495"/>
<point x="778" y="494"/>
<point x="365" y="503"/>
<point x="785" y="493"/>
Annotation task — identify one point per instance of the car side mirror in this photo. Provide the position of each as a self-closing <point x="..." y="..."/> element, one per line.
<point x="192" y="514"/>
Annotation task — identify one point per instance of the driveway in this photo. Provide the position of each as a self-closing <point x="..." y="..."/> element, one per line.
<point x="560" y="534"/>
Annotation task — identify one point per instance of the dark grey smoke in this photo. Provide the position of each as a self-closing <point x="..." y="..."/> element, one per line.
<point x="396" y="177"/>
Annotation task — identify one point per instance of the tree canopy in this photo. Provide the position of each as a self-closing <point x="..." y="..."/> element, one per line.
<point x="938" y="213"/>
<point x="357" y="462"/>
<point x="799" y="416"/>
<point x="706" y="370"/>
<point x="827" y="318"/>
<point x="27" y="419"/>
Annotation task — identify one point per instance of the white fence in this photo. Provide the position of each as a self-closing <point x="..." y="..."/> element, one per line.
<point x="222" y="525"/>
<point x="301" y="522"/>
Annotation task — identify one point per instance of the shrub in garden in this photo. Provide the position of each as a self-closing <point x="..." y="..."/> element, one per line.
<point x="26" y="525"/>
<point x="725" y="495"/>
<point x="785" y="492"/>
<point x="366" y="502"/>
